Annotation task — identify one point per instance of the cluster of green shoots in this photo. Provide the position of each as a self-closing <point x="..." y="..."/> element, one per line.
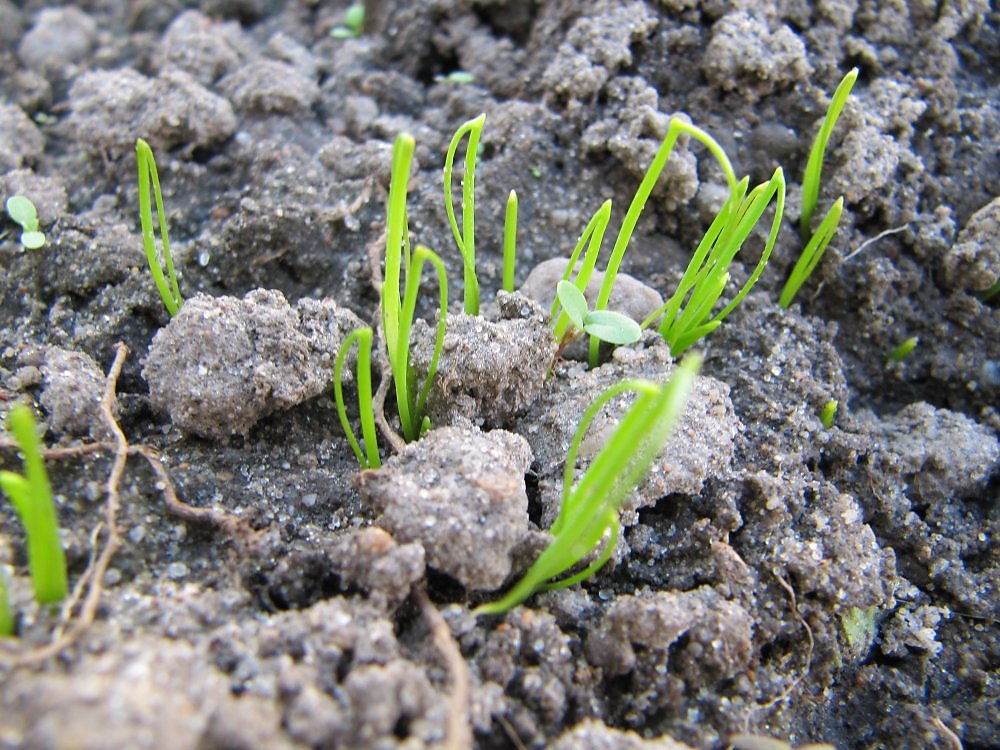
<point x="31" y="495"/>
<point x="22" y="211"/>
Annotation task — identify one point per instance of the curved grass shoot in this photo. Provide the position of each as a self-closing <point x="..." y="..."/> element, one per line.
<point x="166" y="286"/>
<point x="588" y="513"/>
<point x="398" y="312"/>
<point x="369" y="458"/>
<point x="509" y="241"/>
<point x="465" y="237"/>
<point x="812" y="253"/>
<point x="814" y="166"/>
<point x="31" y="496"/>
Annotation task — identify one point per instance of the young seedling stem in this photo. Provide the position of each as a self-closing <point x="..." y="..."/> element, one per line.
<point x="369" y="458"/>
<point x="166" y="286"/>
<point x="31" y="496"/>
<point x="509" y="242"/>
<point x="465" y="237"/>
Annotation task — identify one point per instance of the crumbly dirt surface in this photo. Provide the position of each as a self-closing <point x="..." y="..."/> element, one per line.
<point x="773" y="576"/>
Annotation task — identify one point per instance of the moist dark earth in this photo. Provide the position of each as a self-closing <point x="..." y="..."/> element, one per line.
<point x="774" y="577"/>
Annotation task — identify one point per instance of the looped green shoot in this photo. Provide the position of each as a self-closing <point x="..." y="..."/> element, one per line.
<point x="166" y="286"/>
<point x="369" y="458"/>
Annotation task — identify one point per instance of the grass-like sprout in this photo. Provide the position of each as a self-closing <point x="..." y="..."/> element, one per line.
<point x="23" y="211"/>
<point x="588" y="513"/>
<point x="687" y="315"/>
<point x="465" y="237"/>
<point x="814" y="166"/>
<point x="6" y="615"/>
<point x="903" y="351"/>
<point x="369" y="458"/>
<point x="166" y="286"/>
<point x="31" y="496"/>
<point x="509" y="241"/>
<point x="353" y="25"/>
<point x="398" y="312"/>
<point x="812" y="253"/>
<point x="988" y="294"/>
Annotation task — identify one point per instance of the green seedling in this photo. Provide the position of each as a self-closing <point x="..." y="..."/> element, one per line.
<point x="606" y="325"/>
<point x="353" y="25"/>
<point x="165" y="285"/>
<point x="23" y="211"/>
<point x="814" y="166"/>
<point x="398" y="312"/>
<point x="990" y="293"/>
<point x="828" y="413"/>
<point x="903" y="351"/>
<point x="589" y="511"/>
<point x="459" y="77"/>
<point x="812" y="253"/>
<point x="369" y="458"/>
<point x="509" y="241"/>
<point x="465" y="237"/>
<point x="6" y="616"/>
<point x="31" y="496"/>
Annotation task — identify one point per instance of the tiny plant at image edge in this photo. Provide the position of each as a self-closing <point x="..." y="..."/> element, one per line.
<point x="23" y="212"/>
<point x="828" y="413"/>
<point x="6" y="616"/>
<point x="353" y="25"/>
<point x="166" y="286"/>
<point x="588" y="512"/>
<point x="369" y="458"/>
<point x="31" y="496"/>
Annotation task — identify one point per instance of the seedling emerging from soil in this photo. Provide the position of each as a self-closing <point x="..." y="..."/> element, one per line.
<point x="810" y="179"/>
<point x="589" y="512"/>
<point x="353" y="25"/>
<point x="31" y="496"/>
<point x="6" y="616"/>
<point x="465" y="237"/>
<point x="397" y="313"/>
<point x="509" y="241"/>
<point x="23" y="211"/>
<point x="365" y="404"/>
<point x="990" y="293"/>
<point x="607" y="325"/>
<point x="812" y="253"/>
<point x="166" y="286"/>
<point x="903" y="351"/>
<point x="828" y="413"/>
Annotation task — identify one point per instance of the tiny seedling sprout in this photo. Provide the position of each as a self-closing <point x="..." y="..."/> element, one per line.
<point x="828" y="413"/>
<point x="607" y="325"/>
<point x="31" y="496"/>
<point x="509" y="241"/>
<point x="353" y="25"/>
<point x="811" y="254"/>
<point x="398" y="312"/>
<point x="369" y="458"/>
<point x="165" y="285"/>
<point x="588" y="513"/>
<point x="903" y="351"/>
<point x="465" y="237"/>
<point x="23" y="211"/>
<point x="6" y="616"/>
<point x="458" y="77"/>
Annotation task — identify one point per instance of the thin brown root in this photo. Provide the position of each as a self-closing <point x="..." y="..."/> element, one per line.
<point x="458" y="732"/>
<point x="953" y="739"/>
<point x="787" y="692"/>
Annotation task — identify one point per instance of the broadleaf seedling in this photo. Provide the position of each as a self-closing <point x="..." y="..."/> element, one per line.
<point x="369" y="458"/>
<point x="165" y="285"/>
<point x="24" y="213"/>
<point x="588" y="513"/>
<point x="353" y="25"/>
<point x="31" y="495"/>
<point x="606" y="325"/>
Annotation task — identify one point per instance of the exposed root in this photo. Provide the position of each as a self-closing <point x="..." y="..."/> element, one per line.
<point x="86" y="595"/>
<point x="787" y="692"/>
<point x="458" y="731"/>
